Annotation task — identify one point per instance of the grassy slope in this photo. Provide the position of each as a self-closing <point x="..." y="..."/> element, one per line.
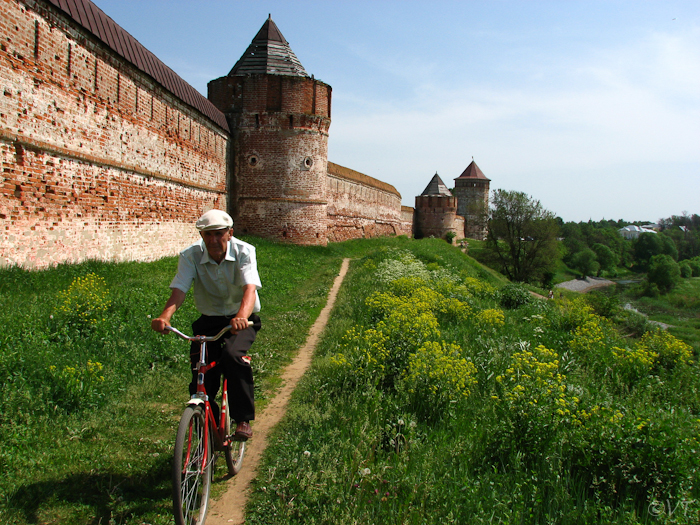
<point x="680" y="309"/>
<point x="93" y="465"/>
<point x="108" y="457"/>
<point x="351" y="453"/>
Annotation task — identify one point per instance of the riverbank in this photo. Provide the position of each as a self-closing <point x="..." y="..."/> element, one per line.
<point x="585" y="285"/>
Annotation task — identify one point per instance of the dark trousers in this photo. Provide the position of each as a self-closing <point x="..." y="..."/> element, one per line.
<point x="229" y="353"/>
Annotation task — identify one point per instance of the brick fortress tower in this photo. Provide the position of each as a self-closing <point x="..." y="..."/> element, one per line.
<point x="436" y="212"/>
<point x="472" y="192"/>
<point x="279" y="118"/>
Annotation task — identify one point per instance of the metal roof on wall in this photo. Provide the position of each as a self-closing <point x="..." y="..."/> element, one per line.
<point x="269" y="53"/>
<point x="94" y="20"/>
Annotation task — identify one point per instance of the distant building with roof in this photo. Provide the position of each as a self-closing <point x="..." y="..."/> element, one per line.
<point x="472" y="192"/>
<point x="436" y="212"/>
<point x="462" y="210"/>
<point x="632" y="231"/>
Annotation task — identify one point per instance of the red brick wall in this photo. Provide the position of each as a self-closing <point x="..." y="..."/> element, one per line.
<point x="280" y="151"/>
<point x="98" y="160"/>
<point x="472" y="199"/>
<point x="360" y="206"/>
<point x="436" y="216"/>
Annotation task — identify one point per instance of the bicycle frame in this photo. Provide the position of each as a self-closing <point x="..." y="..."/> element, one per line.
<point x="200" y="397"/>
<point x="198" y="440"/>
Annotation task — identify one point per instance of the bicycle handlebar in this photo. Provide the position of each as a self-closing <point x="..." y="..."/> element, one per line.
<point x="202" y="337"/>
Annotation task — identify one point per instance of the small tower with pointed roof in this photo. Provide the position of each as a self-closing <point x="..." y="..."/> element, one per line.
<point x="435" y="213"/>
<point x="279" y="118"/>
<point x="472" y="192"/>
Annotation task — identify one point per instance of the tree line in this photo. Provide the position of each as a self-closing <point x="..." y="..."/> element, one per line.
<point x="526" y="243"/>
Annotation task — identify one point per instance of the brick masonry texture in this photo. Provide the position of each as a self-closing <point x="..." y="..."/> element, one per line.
<point x="99" y="161"/>
<point x="360" y="206"/>
<point x="284" y="187"/>
<point x="436" y="216"/>
<point x="472" y="197"/>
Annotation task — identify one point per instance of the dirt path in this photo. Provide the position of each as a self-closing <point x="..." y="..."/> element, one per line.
<point x="230" y="508"/>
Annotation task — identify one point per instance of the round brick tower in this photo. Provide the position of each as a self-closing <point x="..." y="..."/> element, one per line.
<point x="435" y="212"/>
<point x="279" y="118"/>
<point x="472" y="192"/>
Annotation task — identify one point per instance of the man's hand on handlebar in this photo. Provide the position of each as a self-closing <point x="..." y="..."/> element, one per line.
<point x="238" y="324"/>
<point x="159" y="325"/>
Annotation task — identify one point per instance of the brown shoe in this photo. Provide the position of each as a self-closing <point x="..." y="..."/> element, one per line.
<point x="243" y="431"/>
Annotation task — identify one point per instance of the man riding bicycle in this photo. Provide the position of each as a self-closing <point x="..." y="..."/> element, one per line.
<point x="226" y="283"/>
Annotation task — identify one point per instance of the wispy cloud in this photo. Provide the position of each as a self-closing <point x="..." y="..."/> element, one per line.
<point x="610" y="110"/>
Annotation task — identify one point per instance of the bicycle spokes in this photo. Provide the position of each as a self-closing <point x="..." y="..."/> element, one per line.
<point x="192" y="469"/>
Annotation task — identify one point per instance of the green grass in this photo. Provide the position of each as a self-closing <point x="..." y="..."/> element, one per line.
<point x="102" y="450"/>
<point x="356" y="445"/>
<point x="680" y="309"/>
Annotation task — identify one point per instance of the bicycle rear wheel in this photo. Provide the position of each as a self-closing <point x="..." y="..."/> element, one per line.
<point x="235" y="450"/>
<point x="191" y="482"/>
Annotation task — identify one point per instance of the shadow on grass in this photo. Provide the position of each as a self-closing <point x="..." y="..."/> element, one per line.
<point x="108" y="496"/>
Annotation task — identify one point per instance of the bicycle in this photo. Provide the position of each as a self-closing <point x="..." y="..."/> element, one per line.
<point x="198" y="441"/>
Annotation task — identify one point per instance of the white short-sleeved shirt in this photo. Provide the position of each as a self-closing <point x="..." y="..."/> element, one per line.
<point x="218" y="288"/>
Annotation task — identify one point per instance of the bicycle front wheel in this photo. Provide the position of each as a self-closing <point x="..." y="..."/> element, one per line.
<point x="192" y="469"/>
<point x="235" y="450"/>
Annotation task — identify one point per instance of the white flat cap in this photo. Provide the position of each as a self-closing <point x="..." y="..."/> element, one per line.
<point x="214" y="220"/>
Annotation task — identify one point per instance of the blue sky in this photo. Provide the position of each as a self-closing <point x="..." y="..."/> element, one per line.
<point x="591" y="107"/>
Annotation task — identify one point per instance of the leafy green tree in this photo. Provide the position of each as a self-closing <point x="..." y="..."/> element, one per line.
<point x="647" y="245"/>
<point x="585" y="262"/>
<point x="663" y="272"/>
<point x="607" y="258"/>
<point x="522" y="236"/>
<point x="685" y="231"/>
<point x="694" y="266"/>
<point x="686" y="270"/>
<point x="583" y="235"/>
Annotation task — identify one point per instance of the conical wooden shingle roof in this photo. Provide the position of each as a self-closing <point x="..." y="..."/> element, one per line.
<point x="436" y="187"/>
<point x="473" y="172"/>
<point x="269" y="53"/>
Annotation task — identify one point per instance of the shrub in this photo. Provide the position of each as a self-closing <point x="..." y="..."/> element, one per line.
<point x="513" y="296"/>
<point x="85" y="302"/>
<point x="651" y="290"/>
<point x="534" y="397"/>
<point x="655" y="351"/>
<point x="670" y="350"/>
<point x="381" y="353"/>
<point x="635" y="322"/>
<point x="643" y="455"/>
<point x="663" y="272"/>
<point x="437" y="376"/>
<point x="607" y="258"/>
<point x="478" y="288"/>
<point x="404" y="265"/>
<point x="585" y="262"/>
<point x="686" y="270"/>
<point x="592" y="340"/>
<point x="491" y="318"/>
<point x="76" y="387"/>
<point x="633" y="364"/>
<point x="694" y="266"/>
<point x="603" y="304"/>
